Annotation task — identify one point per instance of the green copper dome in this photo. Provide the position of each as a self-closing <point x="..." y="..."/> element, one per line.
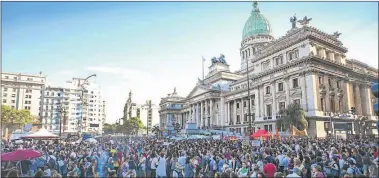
<point x="256" y="25"/>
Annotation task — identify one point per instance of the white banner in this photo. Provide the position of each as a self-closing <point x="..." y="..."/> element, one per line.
<point x="255" y="143"/>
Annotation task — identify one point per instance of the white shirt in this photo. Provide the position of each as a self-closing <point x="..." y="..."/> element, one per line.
<point x="154" y="163"/>
<point x="161" y="169"/>
<point x="292" y="175"/>
<point x="47" y="172"/>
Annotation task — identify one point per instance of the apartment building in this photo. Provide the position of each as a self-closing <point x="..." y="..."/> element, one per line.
<point x="22" y="91"/>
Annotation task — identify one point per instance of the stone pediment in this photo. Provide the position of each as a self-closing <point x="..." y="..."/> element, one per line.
<point x="281" y="97"/>
<point x="198" y="90"/>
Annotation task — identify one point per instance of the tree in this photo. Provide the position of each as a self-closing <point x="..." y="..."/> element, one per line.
<point x="13" y="116"/>
<point x="133" y="125"/>
<point x="6" y="115"/>
<point x="293" y="115"/>
<point x="177" y="127"/>
<point x="109" y="128"/>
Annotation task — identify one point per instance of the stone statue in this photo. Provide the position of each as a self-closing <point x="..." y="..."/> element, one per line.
<point x="174" y="90"/>
<point x="214" y="60"/>
<point x="305" y="21"/>
<point x="336" y="34"/>
<point x="293" y="20"/>
<point x="255" y="5"/>
<point x="222" y="59"/>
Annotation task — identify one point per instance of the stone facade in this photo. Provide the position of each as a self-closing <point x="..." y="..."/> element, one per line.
<point x="307" y="66"/>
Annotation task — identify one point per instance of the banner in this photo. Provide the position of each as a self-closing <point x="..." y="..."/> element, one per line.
<point x="255" y="143"/>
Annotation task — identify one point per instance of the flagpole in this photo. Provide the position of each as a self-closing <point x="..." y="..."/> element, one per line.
<point x="203" y="67"/>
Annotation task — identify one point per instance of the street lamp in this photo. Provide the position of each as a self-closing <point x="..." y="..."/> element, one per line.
<point x="82" y="97"/>
<point x="248" y="96"/>
<point x="62" y="110"/>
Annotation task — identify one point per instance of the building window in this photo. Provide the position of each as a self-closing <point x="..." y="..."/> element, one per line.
<point x="28" y="91"/>
<point x="14" y="90"/>
<point x="47" y="93"/>
<point x="5" y="95"/>
<point x="270" y="128"/>
<point x="268" y="90"/>
<point x="13" y="95"/>
<point x="238" y="119"/>
<point x="238" y="105"/>
<point x="13" y="101"/>
<point x="340" y="106"/>
<point x="4" y="101"/>
<point x="296" y="54"/>
<point x="5" y="89"/>
<point x="28" y="102"/>
<point x="295" y="83"/>
<point x="266" y="127"/>
<point x="27" y="107"/>
<point x="297" y="101"/>
<point x="6" y="77"/>
<point x="330" y="82"/>
<point x="29" y="79"/>
<point x="282" y="106"/>
<point x="268" y="110"/>
<point x="244" y="104"/>
<point x="15" y="78"/>
<point x="245" y="118"/>
<point x="322" y="104"/>
<point x="320" y="80"/>
<point x="253" y="100"/>
<point x="332" y="106"/>
<point x="280" y="87"/>
<point x="52" y="93"/>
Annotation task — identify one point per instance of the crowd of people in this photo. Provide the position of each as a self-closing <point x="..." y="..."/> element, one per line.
<point x="148" y="157"/>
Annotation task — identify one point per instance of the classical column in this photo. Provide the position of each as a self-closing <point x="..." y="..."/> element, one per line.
<point x="193" y="113"/>
<point x="258" y="98"/>
<point x="331" y="55"/>
<point x="303" y="86"/>
<point x="261" y="100"/>
<point x="228" y="113"/>
<point x="367" y="91"/>
<point x="201" y="114"/>
<point x="234" y="115"/>
<point x="273" y="99"/>
<point x="287" y="82"/>
<point x="358" y="102"/>
<point x="312" y="92"/>
<point x="327" y="96"/>
<point x="211" y="111"/>
<point x="242" y="115"/>
<point x="222" y="111"/>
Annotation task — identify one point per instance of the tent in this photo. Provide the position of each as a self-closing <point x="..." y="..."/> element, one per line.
<point x="41" y="134"/>
<point x="261" y="133"/>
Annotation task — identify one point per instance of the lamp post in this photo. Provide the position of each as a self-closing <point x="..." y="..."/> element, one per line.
<point x="82" y="97"/>
<point x="248" y="96"/>
<point x="62" y="110"/>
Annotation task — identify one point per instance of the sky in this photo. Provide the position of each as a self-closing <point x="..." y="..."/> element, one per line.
<point x="152" y="47"/>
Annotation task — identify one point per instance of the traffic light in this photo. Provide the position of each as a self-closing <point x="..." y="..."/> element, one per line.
<point x="352" y="110"/>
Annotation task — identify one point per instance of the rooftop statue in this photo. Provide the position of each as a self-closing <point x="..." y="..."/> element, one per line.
<point x="293" y="20"/>
<point x="214" y="60"/>
<point x="336" y="34"/>
<point x="305" y="21"/>
<point x="222" y="59"/>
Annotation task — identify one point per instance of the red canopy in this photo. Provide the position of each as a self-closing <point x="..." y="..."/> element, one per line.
<point x="20" y="155"/>
<point x="261" y="133"/>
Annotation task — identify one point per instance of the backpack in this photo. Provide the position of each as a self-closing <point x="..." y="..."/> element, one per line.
<point x="52" y="163"/>
<point x="148" y="163"/>
<point x="180" y="175"/>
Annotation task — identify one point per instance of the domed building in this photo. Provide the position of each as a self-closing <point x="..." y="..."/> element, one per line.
<point x="307" y="67"/>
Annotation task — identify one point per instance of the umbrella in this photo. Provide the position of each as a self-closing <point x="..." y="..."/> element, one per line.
<point x="20" y="155"/>
<point x="91" y="140"/>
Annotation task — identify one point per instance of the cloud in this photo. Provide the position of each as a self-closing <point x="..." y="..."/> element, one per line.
<point x="128" y="74"/>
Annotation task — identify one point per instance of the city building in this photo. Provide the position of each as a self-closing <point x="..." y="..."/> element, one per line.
<point x="22" y="91"/>
<point x="149" y="114"/>
<point x="81" y="108"/>
<point x="306" y="66"/>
